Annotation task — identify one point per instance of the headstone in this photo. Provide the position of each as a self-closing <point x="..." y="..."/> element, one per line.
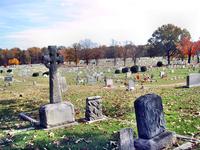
<point x="93" y="108"/>
<point x="131" y="85"/>
<point x="8" y="80"/>
<point x="91" y="80"/>
<point x="151" y="124"/>
<point x="57" y="112"/>
<point x="162" y="74"/>
<point x="126" y="139"/>
<point x="128" y="74"/>
<point x="193" y="80"/>
<point x="109" y="83"/>
<point x="63" y="84"/>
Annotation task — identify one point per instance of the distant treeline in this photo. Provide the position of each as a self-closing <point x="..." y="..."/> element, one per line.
<point x="168" y="40"/>
<point x="74" y="54"/>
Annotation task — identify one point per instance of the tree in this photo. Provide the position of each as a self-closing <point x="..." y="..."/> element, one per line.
<point x="124" y="50"/>
<point x="13" y="61"/>
<point x="197" y="48"/>
<point x="115" y="49"/>
<point x="77" y="48"/>
<point x="166" y="37"/>
<point x="35" y="54"/>
<point x="187" y="47"/>
<point x="86" y="46"/>
<point x="97" y="53"/>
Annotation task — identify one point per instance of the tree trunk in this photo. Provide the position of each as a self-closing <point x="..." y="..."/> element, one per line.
<point x="168" y="57"/>
<point x="189" y="58"/>
<point x="124" y="61"/>
<point x="97" y="62"/>
<point x="198" y="55"/>
<point x="115" y="61"/>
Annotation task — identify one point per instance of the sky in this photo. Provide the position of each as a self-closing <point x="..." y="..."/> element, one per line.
<point x="28" y="23"/>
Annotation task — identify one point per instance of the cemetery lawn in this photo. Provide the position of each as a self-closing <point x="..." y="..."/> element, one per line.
<point x="181" y="107"/>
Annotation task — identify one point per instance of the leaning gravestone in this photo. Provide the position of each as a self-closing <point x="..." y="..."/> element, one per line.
<point x="193" y="80"/>
<point x="57" y="112"/>
<point x="151" y="124"/>
<point x="94" y="109"/>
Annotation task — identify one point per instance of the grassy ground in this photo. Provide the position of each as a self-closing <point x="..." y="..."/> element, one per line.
<point x="181" y="106"/>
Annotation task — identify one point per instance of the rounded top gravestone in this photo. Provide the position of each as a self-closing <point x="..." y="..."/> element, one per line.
<point x="149" y="116"/>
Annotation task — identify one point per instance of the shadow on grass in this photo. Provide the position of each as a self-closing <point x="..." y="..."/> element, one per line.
<point x="67" y="140"/>
<point x="181" y="87"/>
<point x="9" y="114"/>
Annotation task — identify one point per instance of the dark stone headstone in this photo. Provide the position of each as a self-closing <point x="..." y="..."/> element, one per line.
<point x="151" y="124"/>
<point x="149" y="116"/>
<point x="93" y="108"/>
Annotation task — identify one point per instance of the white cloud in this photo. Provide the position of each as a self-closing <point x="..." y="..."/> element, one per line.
<point x="102" y="20"/>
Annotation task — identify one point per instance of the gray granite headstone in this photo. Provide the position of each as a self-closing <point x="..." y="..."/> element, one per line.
<point x="151" y="124"/>
<point x="193" y="80"/>
<point x="56" y="114"/>
<point x="131" y="85"/>
<point x="93" y="108"/>
<point x="91" y="80"/>
<point x="126" y="139"/>
<point x="109" y="83"/>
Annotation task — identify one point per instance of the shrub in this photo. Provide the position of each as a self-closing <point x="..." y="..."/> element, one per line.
<point x="9" y="70"/>
<point x="134" y="69"/>
<point x="143" y="68"/>
<point x="159" y="64"/>
<point x="117" y="71"/>
<point x="125" y="70"/>
<point x="46" y="73"/>
<point x="35" y="74"/>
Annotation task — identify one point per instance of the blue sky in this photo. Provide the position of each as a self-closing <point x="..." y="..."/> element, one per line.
<point x="27" y="23"/>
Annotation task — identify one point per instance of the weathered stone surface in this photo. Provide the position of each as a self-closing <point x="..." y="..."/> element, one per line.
<point x="193" y="80"/>
<point x="93" y="108"/>
<point x="149" y="116"/>
<point x="56" y="114"/>
<point x="109" y="83"/>
<point x="131" y="85"/>
<point x="51" y="61"/>
<point x="163" y="140"/>
<point x="126" y="139"/>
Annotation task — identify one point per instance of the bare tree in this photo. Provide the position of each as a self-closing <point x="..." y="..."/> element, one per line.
<point x="86" y="46"/>
<point x="77" y="48"/>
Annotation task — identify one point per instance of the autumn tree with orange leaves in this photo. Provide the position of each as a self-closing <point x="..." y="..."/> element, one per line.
<point x="187" y="47"/>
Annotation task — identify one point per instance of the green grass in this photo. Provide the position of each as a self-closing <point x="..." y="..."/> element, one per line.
<point x="181" y="106"/>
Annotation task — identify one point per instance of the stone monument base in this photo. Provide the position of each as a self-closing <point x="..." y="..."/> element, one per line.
<point x="163" y="140"/>
<point x="58" y="114"/>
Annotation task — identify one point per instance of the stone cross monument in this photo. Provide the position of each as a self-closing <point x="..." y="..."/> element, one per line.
<point x="57" y="113"/>
<point x="52" y="61"/>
